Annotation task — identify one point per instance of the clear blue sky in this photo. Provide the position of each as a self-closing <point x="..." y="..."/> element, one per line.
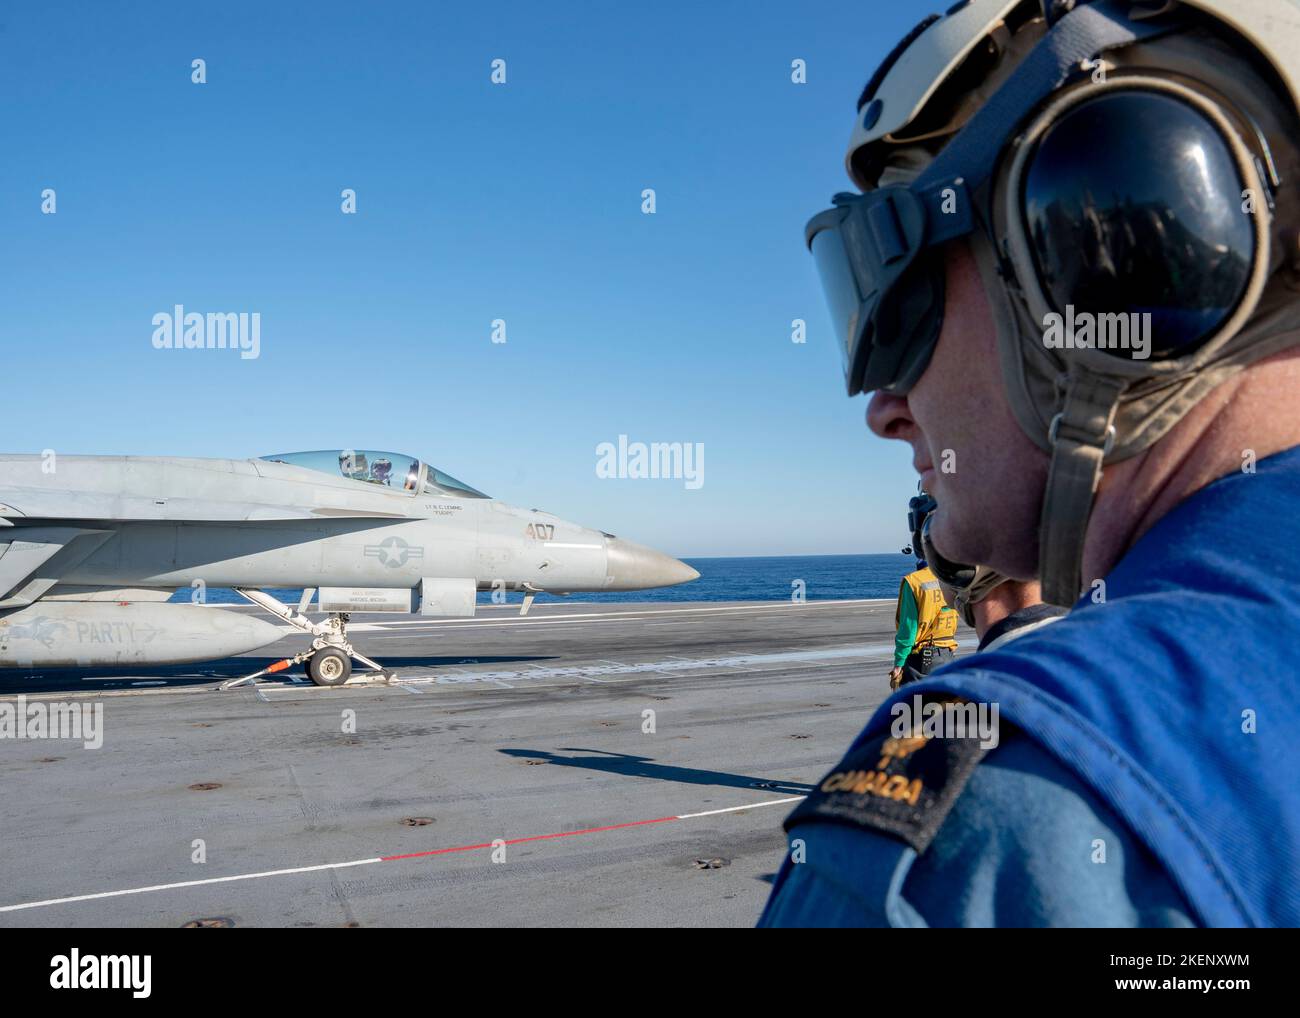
<point x="475" y="202"/>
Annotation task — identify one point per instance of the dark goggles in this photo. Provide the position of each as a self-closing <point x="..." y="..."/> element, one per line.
<point x="882" y="271"/>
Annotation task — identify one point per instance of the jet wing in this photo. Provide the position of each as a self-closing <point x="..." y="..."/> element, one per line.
<point x="33" y="558"/>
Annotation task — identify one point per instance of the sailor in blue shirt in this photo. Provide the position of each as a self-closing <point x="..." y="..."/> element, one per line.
<point x="1072" y="279"/>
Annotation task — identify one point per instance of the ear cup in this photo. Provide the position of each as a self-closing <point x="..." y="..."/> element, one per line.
<point x="1133" y="205"/>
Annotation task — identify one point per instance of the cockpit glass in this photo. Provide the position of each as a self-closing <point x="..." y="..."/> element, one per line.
<point x="438" y="483"/>
<point x="388" y="469"/>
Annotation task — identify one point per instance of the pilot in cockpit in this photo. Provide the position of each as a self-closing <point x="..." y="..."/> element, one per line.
<point x="381" y="471"/>
<point x="353" y="466"/>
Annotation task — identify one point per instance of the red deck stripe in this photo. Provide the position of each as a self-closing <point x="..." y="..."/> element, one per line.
<point x="519" y="841"/>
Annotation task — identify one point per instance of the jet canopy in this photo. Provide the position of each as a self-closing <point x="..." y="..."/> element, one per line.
<point x="389" y="469"/>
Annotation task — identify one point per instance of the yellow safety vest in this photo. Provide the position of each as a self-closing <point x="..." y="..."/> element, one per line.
<point x="936" y="622"/>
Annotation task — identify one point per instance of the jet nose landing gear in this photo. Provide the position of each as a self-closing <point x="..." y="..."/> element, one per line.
<point x="329" y="667"/>
<point x="329" y="661"/>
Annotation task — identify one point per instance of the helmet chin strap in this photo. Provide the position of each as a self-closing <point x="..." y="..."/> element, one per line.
<point x="1080" y="435"/>
<point x="986" y="580"/>
<point x="965" y="586"/>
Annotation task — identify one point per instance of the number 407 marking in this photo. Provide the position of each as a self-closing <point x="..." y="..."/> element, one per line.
<point x="541" y="531"/>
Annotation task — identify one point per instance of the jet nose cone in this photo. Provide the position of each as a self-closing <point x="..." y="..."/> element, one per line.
<point x="630" y="566"/>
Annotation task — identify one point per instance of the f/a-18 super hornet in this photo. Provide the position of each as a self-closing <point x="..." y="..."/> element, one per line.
<point x="92" y="546"/>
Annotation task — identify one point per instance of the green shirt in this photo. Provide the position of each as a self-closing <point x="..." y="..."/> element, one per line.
<point x="908" y="623"/>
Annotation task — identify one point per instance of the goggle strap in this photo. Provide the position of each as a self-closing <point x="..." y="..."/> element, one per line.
<point x="949" y="212"/>
<point x="1081" y="435"/>
<point x="1085" y="32"/>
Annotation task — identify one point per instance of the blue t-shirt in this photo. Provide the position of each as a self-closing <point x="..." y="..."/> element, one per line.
<point x="1152" y="776"/>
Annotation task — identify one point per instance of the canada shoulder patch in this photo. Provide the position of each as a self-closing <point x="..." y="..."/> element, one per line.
<point x="904" y="785"/>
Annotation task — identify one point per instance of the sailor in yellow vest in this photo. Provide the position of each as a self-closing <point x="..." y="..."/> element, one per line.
<point x="926" y="625"/>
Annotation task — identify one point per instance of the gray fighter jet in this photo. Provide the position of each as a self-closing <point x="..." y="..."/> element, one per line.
<point x="92" y="546"/>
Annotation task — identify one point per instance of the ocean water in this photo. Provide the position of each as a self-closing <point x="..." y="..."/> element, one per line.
<point x="767" y="578"/>
<point x="772" y="578"/>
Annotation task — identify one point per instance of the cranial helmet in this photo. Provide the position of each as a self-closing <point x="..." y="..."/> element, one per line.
<point x="919" y="508"/>
<point x="1125" y="175"/>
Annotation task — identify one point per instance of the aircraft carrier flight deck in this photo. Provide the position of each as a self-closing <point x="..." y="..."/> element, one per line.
<point x="588" y="764"/>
